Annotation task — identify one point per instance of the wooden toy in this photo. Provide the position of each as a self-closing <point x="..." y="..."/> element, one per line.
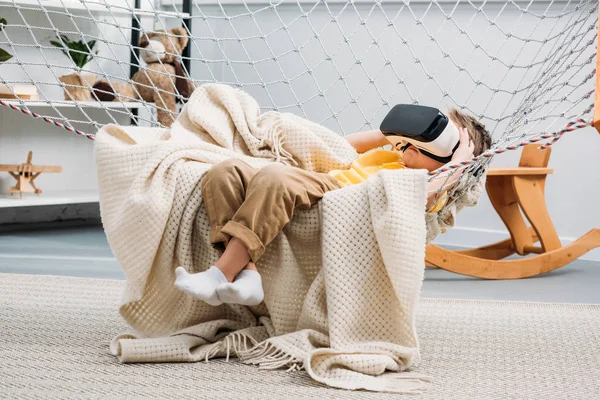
<point x="25" y="174"/>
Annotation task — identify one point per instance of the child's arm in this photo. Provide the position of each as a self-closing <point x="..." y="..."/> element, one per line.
<point x="445" y="180"/>
<point x="367" y="140"/>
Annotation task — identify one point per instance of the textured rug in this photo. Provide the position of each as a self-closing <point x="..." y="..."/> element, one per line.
<point x="55" y="331"/>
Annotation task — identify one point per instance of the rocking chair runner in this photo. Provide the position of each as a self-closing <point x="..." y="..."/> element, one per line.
<point x="512" y="190"/>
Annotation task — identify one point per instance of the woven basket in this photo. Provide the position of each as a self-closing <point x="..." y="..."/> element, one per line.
<point x="77" y="86"/>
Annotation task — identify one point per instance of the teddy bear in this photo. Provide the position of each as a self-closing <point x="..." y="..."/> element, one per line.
<point x="163" y="71"/>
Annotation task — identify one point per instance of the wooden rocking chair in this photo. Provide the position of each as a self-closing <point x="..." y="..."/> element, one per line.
<point x="512" y="190"/>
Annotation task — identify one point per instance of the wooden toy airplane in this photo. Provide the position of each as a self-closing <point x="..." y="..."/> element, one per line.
<point x="25" y="174"/>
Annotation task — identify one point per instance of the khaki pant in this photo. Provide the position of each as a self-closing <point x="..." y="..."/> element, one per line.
<point x="254" y="205"/>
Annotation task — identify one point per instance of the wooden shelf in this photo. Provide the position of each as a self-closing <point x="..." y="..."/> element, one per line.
<point x="75" y="104"/>
<point x="48" y="198"/>
<point x="95" y="6"/>
<point x="32" y="207"/>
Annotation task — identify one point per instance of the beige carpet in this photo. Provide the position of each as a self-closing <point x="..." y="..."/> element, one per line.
<point x="55" y="331"/>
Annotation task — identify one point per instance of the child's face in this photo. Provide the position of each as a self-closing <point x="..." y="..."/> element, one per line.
<point x="414" y="159"/>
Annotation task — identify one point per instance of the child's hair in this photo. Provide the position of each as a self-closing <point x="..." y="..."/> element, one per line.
<point x="479" y="135"/>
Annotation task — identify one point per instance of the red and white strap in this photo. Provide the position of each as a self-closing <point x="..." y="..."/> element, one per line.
<point x="571" y="126"/>
<point x="47" y="119"/>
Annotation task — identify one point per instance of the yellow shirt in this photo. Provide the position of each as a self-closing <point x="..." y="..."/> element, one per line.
<point x="372" y="162"/>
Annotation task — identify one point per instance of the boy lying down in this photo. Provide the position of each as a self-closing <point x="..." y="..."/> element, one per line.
<point x="247" y="207"/>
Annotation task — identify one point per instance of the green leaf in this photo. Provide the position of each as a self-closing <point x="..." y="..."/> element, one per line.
<point x="77" y="51"/>
<point x="3" y="22"/>
<point x="76" y="59"/>
<point x="4" y="55"/>
<point x="82" y="60"/>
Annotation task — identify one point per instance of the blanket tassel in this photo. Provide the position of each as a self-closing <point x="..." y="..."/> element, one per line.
<point x="235" y="342"/>
<point x="276" y="142"/>
<point x="268" y="356"/>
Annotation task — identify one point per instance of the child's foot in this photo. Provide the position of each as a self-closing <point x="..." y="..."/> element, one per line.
<point x="246" y="289"/>
<point x="202" y="285"/>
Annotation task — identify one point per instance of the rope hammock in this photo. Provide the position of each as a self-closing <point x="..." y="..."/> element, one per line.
<point x="526" y="69"/>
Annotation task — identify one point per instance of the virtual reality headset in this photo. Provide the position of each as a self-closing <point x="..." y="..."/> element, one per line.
<point x="427" y="128"/>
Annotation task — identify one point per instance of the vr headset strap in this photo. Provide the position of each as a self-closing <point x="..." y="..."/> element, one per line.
<point x="444" y="160"/>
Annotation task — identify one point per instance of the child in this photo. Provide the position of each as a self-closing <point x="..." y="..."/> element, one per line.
<point x="247" y="208"/>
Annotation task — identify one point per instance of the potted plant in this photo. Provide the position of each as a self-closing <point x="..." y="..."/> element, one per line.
<point x="80" y="53"/>
<point x="4" y="55"/>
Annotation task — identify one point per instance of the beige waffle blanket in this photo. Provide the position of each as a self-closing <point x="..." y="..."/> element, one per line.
<point x="341" y="281"/>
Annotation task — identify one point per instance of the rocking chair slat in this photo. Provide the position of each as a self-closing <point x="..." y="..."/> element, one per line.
<point x="519" y="171"/>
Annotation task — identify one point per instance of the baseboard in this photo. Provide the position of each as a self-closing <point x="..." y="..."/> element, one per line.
<point x="464" y="237"/>
<point x="78" y="213"/>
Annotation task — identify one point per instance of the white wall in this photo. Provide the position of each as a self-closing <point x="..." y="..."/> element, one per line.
<point x="572" y="190"/>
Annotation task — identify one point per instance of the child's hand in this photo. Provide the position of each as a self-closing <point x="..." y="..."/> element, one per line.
<point x="465" y="148"/>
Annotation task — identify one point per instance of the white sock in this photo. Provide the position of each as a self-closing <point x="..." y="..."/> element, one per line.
<point x="246" y="289"/>
<point x="202" y="285"/>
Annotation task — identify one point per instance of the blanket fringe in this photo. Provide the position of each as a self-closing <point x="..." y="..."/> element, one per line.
<point x="238" y="342"/>
<point x="213" y="350"/>
<point x="235" y="342"/>
<point x="275" y="141"/>
<point x="268" y="356"/>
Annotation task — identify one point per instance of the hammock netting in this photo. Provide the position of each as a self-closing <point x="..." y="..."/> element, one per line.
<point x="526" y="69"/>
